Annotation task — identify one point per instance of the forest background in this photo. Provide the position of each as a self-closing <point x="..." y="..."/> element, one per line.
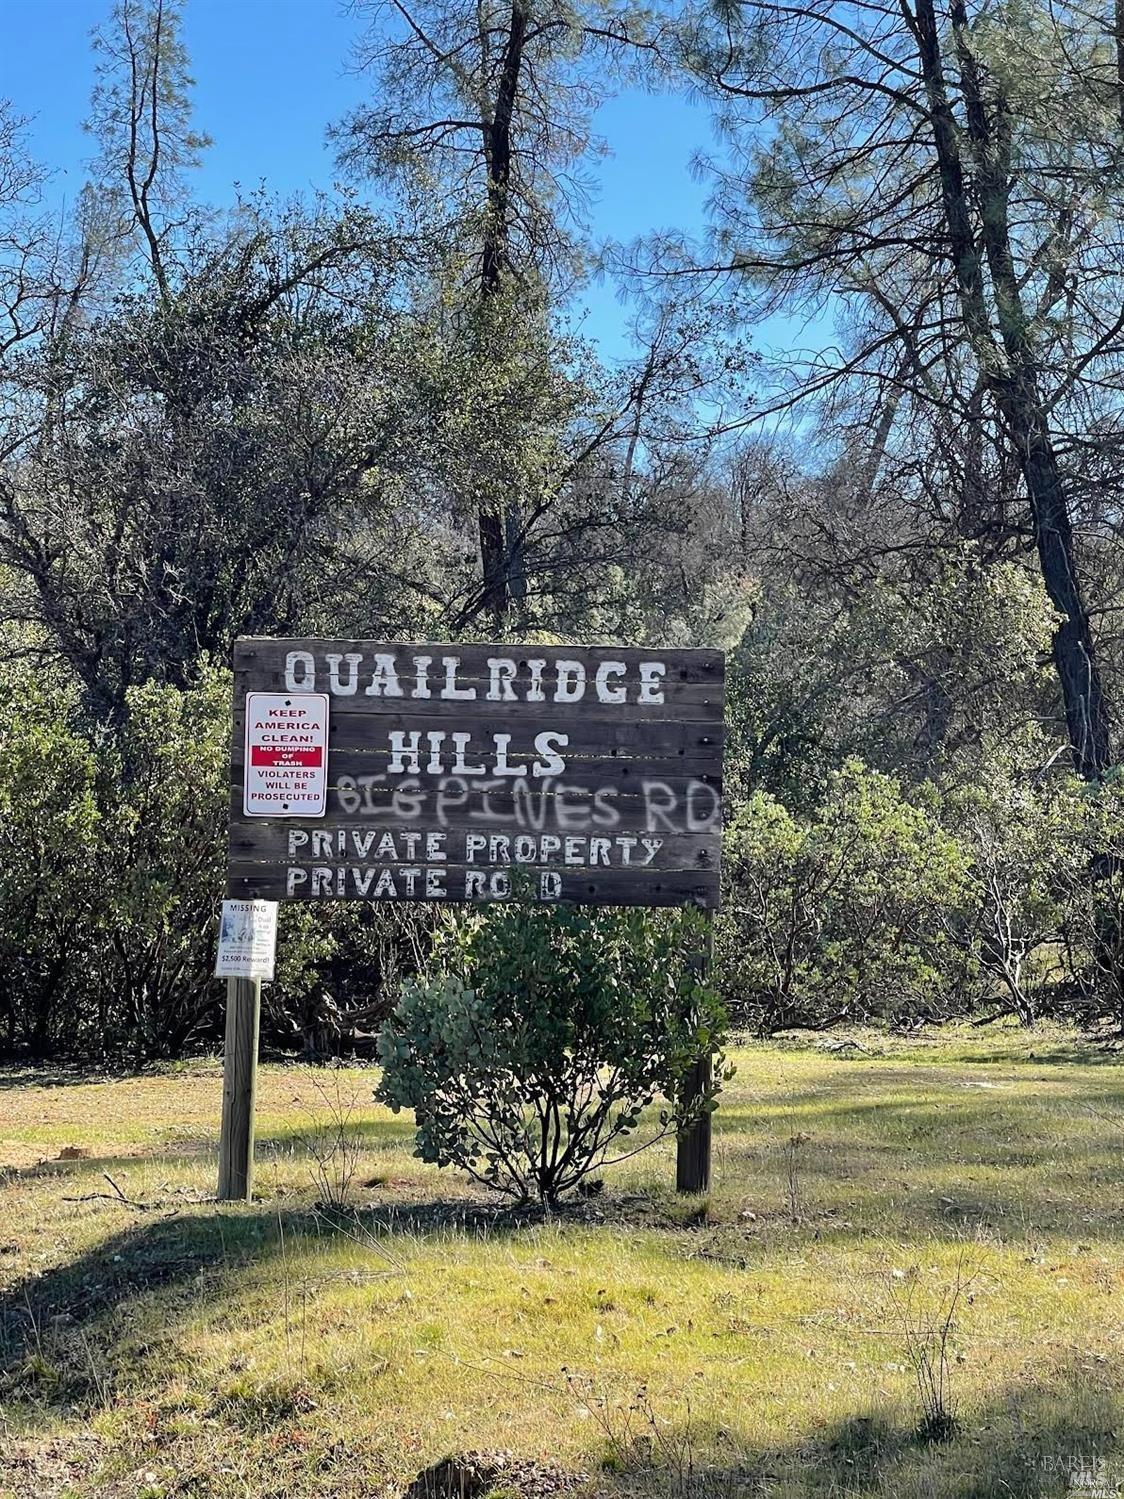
<point x="372" y="411"/>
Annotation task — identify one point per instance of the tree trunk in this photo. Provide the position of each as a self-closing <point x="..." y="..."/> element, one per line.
<point x="1010" y="364"/>
<point x="499" y="521"/>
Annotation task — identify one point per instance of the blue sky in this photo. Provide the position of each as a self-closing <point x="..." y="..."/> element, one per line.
<point x="272" y="74"/>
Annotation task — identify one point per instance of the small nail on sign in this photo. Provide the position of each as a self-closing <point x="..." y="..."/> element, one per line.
<point x="286" y="767"/>
<point x="247" y="939"/>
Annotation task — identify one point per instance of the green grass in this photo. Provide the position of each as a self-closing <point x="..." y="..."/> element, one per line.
<point x="754" y="1344"/>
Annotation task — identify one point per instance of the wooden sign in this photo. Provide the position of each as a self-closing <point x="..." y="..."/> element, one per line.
<point x="482" y="772"/>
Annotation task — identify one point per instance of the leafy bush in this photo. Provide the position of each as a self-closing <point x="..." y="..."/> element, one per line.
<point x="1026" y="848"/>
<point x="162" y="788"/>
<point x="112" y="852"/>
<point x="48" y="859"/>
<point x="339" y="971"/>
<point x="538" y="1036"/>
<point x="843" y="915"/>
<point x="113" y="845"/>
<point x="1093" y="920"/>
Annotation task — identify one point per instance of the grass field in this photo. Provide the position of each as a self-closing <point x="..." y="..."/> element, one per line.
<point x="761" y="1343"/>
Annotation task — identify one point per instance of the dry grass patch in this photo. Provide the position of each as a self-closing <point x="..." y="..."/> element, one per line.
<point x="752" y="1344"/>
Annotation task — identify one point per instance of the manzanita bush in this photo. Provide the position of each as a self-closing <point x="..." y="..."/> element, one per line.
<point x="538" y="1036"/>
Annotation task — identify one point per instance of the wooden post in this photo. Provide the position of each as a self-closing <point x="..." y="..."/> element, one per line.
<point x="692" y="1156"/>
<point x="239" y="1084"/>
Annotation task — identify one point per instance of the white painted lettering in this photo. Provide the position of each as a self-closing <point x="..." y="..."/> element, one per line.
<point x="535" y="693"/>
<point x="501" y="674"/>
<point x="336" y="684"/>
<point x="404" y="756"/>
<point x="421" y="676"/>
<point x="651" y="682"/>
<point x="501" y="767"/>
<point x="407" y="801"/>
<point x="450" y="689"/>
<point x="436" y="738"/>
<point x="452" y="792"/>
<point x="570" y="687"/>
<point x="704" y="807"/>
<point x="384" y="678"/>
<point x="571" y="817"/>
<point x="547" y="745"/>
<point x="605" y="814"/>
<point x="605" y="693"/>
<point x="486" y="811"/>
<point x="460" y="767"/>
<point x="302" y="662"/>
<point x="659" y="800"/>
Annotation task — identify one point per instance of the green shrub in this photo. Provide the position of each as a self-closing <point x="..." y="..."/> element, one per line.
<point x="843" y="915"/>
<point x="1093" y="921"/>
<point x="112" y="867"/>
<point x="1024" y="836"/>
<point x="163" y="791"/>
<point x="538" y="1036"/>
<point x="49" y="878"/>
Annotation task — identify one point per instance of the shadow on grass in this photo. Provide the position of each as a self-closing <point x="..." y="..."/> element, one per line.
<point x="67" y="1336"/>
<point x="16" y="1075"/>
<point x="1053" y="1435"/>
<point x="55" y="1075"/>
<point x="49" y="1321"/>
<point x="968" y="1159"/>
<point x="373" y="1136"/>
<point x="396" y="1133"/>
<point x="78" y="1167"/>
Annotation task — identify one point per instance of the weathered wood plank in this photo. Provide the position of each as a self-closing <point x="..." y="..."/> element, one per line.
<point x="285" y="842"/>
<point x="623" y="773"/>
<point x="460" y="884"/>
<point x="683" y="665"/>
<point x="574" y="806"/>
<point x="703" y="701"/>
<point x="656" y="804"/>
<point x="595" y="739"/>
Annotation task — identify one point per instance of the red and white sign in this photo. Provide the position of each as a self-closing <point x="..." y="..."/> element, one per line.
<point x="286" y="770"/>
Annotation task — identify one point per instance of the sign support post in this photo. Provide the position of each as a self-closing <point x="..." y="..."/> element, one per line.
<point x="692" y="1154"/>
<point x="239" y="1084"/>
